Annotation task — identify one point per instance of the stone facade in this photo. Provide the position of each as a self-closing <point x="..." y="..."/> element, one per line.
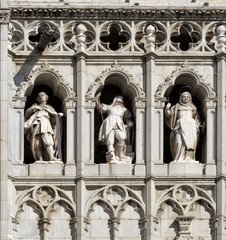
<point x="81" y="51"/>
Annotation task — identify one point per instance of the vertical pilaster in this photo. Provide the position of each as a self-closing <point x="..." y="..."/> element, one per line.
<point x="18" y="129"/>
<point x="90" y="106"/>
<point x="4" y="19"/>
<point x="81" y="112"/>
<point x="140" y="115"/>
<point x="221" y="150"/>
<point x="81" y="140"/>
<point x="150" y="145"/>
<point x="70" y="112"/>
<point x="150" y="64"/>
<point x="210" y="112"/>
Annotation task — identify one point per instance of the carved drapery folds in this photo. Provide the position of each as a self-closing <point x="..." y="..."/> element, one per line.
<point x="45" y="200"/>
<point x="115" y="199"/>
<point x="185" y="200"/>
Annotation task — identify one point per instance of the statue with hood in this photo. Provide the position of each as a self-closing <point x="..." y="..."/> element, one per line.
<point x="183" y="121"/>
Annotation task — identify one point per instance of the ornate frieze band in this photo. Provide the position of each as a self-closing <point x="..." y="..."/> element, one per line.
<point x="118" y="13"/>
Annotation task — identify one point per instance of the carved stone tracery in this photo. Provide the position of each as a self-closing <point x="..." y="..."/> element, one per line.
<point x="44" y="199"/>
<point x="115" y="198"/>
<point x="184" y="199"/>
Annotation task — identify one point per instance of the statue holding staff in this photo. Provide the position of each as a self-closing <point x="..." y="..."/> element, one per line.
<point x="114" y="129"/>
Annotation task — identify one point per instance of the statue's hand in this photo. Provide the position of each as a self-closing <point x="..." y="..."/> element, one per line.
<point x="130" y="124"/>
<point x="35" y="108"/>
<point x="168" y="106"/>
<point x="61" y="114"/>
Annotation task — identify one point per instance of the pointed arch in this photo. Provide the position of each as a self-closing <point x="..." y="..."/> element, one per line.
<point x="118" y="76"/>
<point x="48" y="76"/>
<point x="52" y="193"/>
<point x="115" y="202"/>
<point x="191" y="78"/>
<point x="184" y="197"/>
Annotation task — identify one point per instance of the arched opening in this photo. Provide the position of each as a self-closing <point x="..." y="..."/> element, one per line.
<point x="114" y="86"/>
<point x="187" y="83"/>
<point x="56" y="103"/>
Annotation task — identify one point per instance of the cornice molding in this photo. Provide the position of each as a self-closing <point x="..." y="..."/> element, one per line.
<point x="155" y="14"/>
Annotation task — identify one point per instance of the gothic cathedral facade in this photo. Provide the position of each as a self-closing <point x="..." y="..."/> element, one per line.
<point x="112" y="120"/>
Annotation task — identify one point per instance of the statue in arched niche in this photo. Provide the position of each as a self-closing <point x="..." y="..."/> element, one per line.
<point x="115" y="131"/>
<point x="183" y="121"/>
<point x="42" y="129"/>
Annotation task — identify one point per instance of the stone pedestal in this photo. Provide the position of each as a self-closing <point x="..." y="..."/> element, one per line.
<point x="115" y="169"/>
<point x="46" y="169"/>
<point x="185" y="169"/>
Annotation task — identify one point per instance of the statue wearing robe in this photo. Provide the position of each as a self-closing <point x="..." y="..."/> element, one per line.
<point x="184" y="124"/>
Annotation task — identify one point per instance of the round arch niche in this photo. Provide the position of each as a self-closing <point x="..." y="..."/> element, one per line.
<point x="187" y="82"/>
<point x="114" y="85"/>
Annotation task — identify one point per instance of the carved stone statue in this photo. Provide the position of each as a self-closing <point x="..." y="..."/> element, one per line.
<point x="115" y="129"/>
<point x="183" y="121"/>
<point x="42" y="129"/>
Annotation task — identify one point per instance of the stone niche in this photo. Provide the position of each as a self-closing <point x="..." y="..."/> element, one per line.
<point x="186" y="78"/>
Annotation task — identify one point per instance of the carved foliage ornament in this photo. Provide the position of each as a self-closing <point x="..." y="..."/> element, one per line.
<point x="127" y="14"/>
<point x="114" y="199"/>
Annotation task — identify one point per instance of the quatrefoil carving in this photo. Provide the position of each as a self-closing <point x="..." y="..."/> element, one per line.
<point x="185" y="36"/>
<point x="114" y="37"/>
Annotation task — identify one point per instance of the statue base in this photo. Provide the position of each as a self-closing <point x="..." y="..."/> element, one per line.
<point x="185" y="168"/>
<point x="48" y="162"/>
<point x="122" y="160"/>
<point x="187" y="160"/>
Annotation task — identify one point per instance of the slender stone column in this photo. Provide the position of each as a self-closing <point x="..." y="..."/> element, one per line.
<point x="81" y="139"/>
<point x="4" y="20"/>
<point x="151" y="121"/>
<point x="150" y="137"/>
<point x="221" y="150"/>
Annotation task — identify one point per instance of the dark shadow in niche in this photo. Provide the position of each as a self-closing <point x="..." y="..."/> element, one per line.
<point x="108" y="93"/>
<point x="173" y="96"/>
<point x="56" y="103"/>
